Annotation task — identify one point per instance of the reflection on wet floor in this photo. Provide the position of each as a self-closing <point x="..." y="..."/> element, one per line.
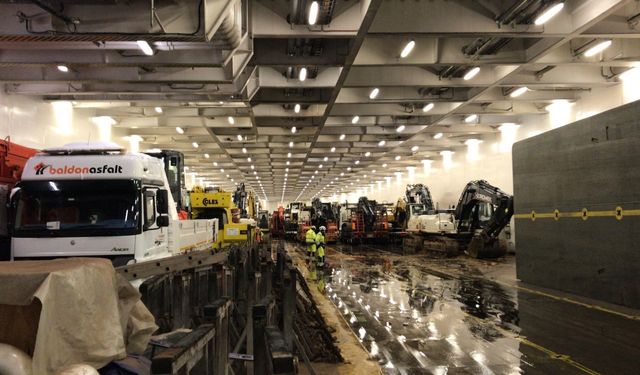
<point x="416" y="322"/>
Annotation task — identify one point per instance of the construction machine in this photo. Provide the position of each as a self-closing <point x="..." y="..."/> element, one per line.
<point x="483" y="211"/>
<point x="276" y="226"/>
<point x="366" y="220"/>
<point x="263" y="221"/>
<point x="174" y="169"/>
<point x="292" y="218"/>
<point x="323" y="214"/>
<point x="219" y="204"/>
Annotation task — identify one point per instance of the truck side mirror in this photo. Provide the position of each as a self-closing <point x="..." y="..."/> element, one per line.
<point x="14" y="198"/>
<point x="162" y="221"/>
<point x="162" y="199"/>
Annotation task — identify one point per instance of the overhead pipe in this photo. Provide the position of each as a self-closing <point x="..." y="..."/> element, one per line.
<point x="510" y="13"/>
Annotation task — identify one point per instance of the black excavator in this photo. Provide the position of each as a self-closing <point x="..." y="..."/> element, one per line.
<point x="483" y="211"/>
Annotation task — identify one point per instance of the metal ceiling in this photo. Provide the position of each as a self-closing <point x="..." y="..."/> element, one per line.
<point x="227" y="72"/>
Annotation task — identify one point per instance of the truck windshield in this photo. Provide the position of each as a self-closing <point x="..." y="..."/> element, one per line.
<point x="77" y="208"/>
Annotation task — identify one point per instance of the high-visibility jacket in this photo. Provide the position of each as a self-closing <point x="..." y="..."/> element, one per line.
<point x="310" y="237"/>
<point x="320" y="244"/>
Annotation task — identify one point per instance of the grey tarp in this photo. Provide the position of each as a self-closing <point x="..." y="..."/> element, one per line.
<point x="82" y="311"/>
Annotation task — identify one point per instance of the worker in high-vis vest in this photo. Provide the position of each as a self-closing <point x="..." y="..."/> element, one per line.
<point x="320" y="246"/>
<point x="310" y="240"/>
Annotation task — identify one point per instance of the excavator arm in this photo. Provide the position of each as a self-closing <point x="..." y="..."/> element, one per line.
<point x="419" y="194"/>
<point x="480" y="198"/>
<point x="367" y="208"/>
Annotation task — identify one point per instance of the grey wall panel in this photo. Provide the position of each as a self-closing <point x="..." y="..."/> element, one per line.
<point x="594" y="164"/>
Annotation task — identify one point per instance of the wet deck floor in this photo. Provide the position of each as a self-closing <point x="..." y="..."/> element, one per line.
<point x="418" y="315"/>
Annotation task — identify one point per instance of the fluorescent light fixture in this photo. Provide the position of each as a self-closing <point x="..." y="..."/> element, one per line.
<point x="355" y="119"/>
<point x="231" y="120"/>
<point x="320" y="166"/>
<point x="303" y="74"/>
<point x="398" y="157"/>
<point x="145" y="47"/>
<point x="314" y="9"/>
<point x="631" y="73"/>
<point x="374" y="93"/>
<point x="427" y="107"/>
<point x="296" y="108"/>
<point x="437" y="136"/>
<point x="400" y="128"/>
<point x="179" y="130"/>
<point x="333" y="149"/>
<point x="382" y="143"/>
<point x="288" y="162"/>
<point x="195" y="144"/>
<point x="414" y="148"/>
<point x="244" y="150"/>
<point x="357" y="162"/>
<point x="158" y="109"/>
<point x="367" y="154"/>
<point x="408" y="48"/>
<point x="348" y="168"/>
<point x="215" y="163"/>
<point x="471" y="118"/>
<point x="519" y="91"/>
<point x="549" y="13"/>
<point x="240" y="137"/>
<point x="289" y="155"/>
<point x="63" y="68"/>
<point x="471" y="73"/>
<point x="342" y="136"/>
<point x="206" y="156"/>
<point x="294" y="129"/>
<point x="326" y="158"/>
<point x="597" y="48"/>
<point x="290" y="144"/>
<point x="252" y="167"/>
<point x="221" y="170"/>
<point x="249" y="159"/>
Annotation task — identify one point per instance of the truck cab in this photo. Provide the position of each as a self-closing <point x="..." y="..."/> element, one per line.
<point x="95" y="200"/>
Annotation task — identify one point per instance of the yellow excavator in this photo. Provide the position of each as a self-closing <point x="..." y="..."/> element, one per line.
<point x="219" y="204"/>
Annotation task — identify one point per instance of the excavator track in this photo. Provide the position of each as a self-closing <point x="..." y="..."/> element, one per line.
<point x="485" y="248"/>
<point x="440" y="244"/>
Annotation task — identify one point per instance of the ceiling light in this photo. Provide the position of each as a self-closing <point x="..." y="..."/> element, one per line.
<point x="549" y="13"/>
<point x="597" y="48"/>
<point x="471" y="118"/>
<point x="414" y="148"/>
<point x="631" y="73"/>
<point x="303" y="74"/>
<point x="195" y="144"/>
<point x="519" y="91"/>
<point x="63" y="68"/>
<point x="179" y="130"/>
<point x="244" y="150"/>
<point x="355" y="119"/>
<point x="367" y="154"/>
<point x="357" y="162"/>
<point x="206" y="156"/>
<point x="374" y="93"/>
<point x="400" y="128"/>
<point x="320" y="166"/>
<point x="252" y="167"/>
<point x="398" y="157"/>
<point x="342" y="136"/>
<point x="471" y="73"/>
<point x="289" y="155"/>
<point x="288" y="162"/>
<point x="314" y="9"/>
<point x="231" y="120"/>
<point x="145" y="47"/>
<point x="408" y="48"/>
<point x="286" y="169"/>
<point x="158" y="109"/>
<point x="215" y="163"/>
<point x="221" y="170"/>
<point x="373" y="171"/>
<point x="382" y="143"/>
<point x="249" y="159"/>
<point x="384" y="165"/>
<point x="296" y="108"/>
<point x="348" y="168"/>
<point x="333" y="149"/>
<point x="437" y="136"/>
<point x="315" y="172"/>
<point x="240" y="137"/>
<point x="293" y="130"/>
<point x="326" y="158"/>
<point x="427" y="107"/>
<point x="341" y="174"/>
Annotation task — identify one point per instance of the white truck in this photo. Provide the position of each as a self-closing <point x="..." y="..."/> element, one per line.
<point x="93" y="199"/>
